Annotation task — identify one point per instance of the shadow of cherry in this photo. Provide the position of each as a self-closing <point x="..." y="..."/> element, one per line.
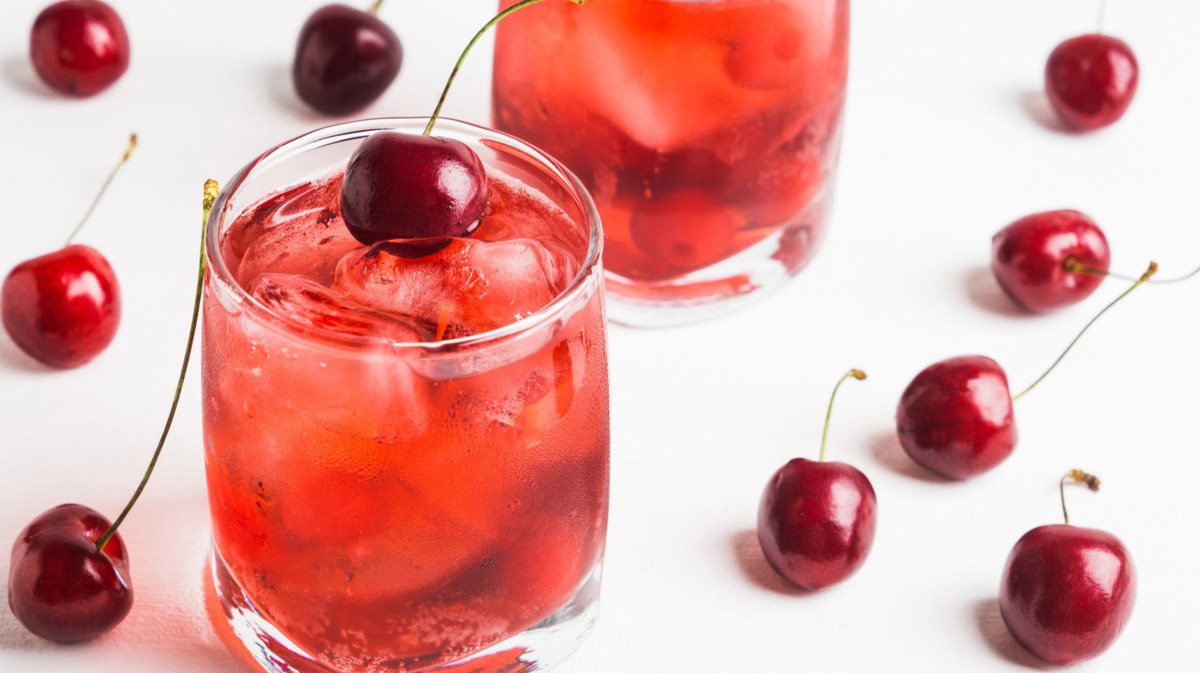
<point x="1037" y="106"/>
<point x="755" y="568"/>
<point x="886" y="450"/>
<point x="985" y="292"/>
<point x="999" y="640"/>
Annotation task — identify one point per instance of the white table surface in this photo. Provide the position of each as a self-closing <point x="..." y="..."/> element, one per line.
<point x="946" y="141"/>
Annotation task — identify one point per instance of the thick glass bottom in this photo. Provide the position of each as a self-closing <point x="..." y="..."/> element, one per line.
<point x="727" y="286"/>
<point x="538" y="648"/>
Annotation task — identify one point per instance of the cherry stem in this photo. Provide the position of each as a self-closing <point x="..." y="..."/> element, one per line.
<point x="463" y="56"/>
<point x="1103" y="14"/>
<point x="1153" y="268"/>
<point x="210" y="195"/>
<point x="1075" y="477"/>
<point x="103" y="188"/>
<point x="852" y="374"/>
<point x="374" y="10"/>
<point x="1072" y="265"/>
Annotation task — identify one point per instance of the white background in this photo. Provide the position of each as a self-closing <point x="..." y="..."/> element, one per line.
<point x="946" y="141"/>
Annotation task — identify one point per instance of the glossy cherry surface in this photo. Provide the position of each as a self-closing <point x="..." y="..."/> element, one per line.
<point x="1067" y="592"/>
<point x="60" y="586"/>
<point x="956" y="417"/>
<point x="345" y="59"/>
<point x="403" y="186"/>
<point x="79" y="47"/>
<point x="62" y="308"/>
<point x="1030" y="259"/>
<point x="1091" y="80"/>
<point x="816" y="522"/>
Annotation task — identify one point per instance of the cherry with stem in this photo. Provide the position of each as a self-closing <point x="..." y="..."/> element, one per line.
<point x="1067" y="592"/>
<point x="69" y="579"/>
<point x="63" y="308"/>
<point x="956" y="417"/>
<point x="345" y="59"/>
<point x="816" y="520"/>
<point x="1091" y="79"/>
<point x="404" y="186"/>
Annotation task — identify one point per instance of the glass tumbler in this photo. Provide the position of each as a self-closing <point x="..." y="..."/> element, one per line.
<point x="390" y="497"/>
<point x="707" y="132"/>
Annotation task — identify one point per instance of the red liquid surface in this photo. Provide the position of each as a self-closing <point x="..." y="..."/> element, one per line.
<point x="700" y="128"/>
<point x="389" y="508"/>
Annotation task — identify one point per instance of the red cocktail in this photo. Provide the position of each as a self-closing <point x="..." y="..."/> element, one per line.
<point x="706" y="132"/>
<point x="406" y="443"/>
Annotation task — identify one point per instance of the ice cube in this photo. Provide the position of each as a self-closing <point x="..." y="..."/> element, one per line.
<point x="312" y="306"/>
<point x="468" y="287"/>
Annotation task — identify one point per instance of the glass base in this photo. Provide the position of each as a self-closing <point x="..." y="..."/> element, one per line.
<point x="538" y="648"/>
<point x="722" y="288"/>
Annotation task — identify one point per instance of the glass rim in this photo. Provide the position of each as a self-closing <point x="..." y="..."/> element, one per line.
<point x="590" y="271"/>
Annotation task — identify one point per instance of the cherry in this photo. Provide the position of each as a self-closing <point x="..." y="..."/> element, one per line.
<point x="1067" y="592"/>
<point x="1038" y="259"/>
<point x="69" y="574"/>
<point x="79" y="47"/>
<point x="401" y="186"/>
<point x="956" y="417"/>
<point x="687" y="230"/>
<point x="816" y="520"/>
<point x="61" y="586"/>
<point x="404" y="186"/>
<point x="1090" y="80"/>
<point x="63" y="308"/>
<point x="345" y="59"/>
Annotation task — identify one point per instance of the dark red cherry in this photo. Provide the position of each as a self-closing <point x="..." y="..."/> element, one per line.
<point x="62" y="308"/>
<point x="1067" y="592"/>
<point x="1091" y="80"/>
<point x="401" y="186"/>
<point x="956" y="417"/>
<point x="79" y="47"/>
<point x="816" y="522"/>
<point x="345" y="59"/>
<point x="1031" y="259"/>
<point x="60" y="586"/>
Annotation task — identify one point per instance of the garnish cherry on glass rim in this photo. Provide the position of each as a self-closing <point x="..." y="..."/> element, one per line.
<point x="79" y="47"/>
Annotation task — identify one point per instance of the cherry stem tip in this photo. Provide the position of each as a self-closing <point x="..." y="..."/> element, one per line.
<point x="133" y="141"/>
<point x="1075" y="477"/>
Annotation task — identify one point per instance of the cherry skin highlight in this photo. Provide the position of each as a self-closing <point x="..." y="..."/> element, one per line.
<point x="345" y="59"/>
<point x="1091" y="80"/>
<point x="79" y="47"/>
<point x="1067" y="592"/>
<point x="956" y="417"/>
<point x="816" y="522"/>
<point x="62" y="308"/>
<point x="405" y="186"/>
<point x="1030" y="259"/>
<point x="60" y="586"/>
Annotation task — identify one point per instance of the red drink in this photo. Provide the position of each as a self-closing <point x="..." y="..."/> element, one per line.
<point x="406" y="446"/>
<point x="706" y="132"/>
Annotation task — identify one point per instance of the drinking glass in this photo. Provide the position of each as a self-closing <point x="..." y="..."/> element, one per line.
<point x="707" y="132"/>
<point x="388" y="496"/>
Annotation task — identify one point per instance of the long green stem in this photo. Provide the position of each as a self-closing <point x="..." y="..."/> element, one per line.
<point x="1145" y="277"/>
<point x="1076" y="477"/>
<point x="852" y="374"/>
<point x="103" y="188"/>
<point x="210" y="195"/>
<point x="463" y="56"/>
